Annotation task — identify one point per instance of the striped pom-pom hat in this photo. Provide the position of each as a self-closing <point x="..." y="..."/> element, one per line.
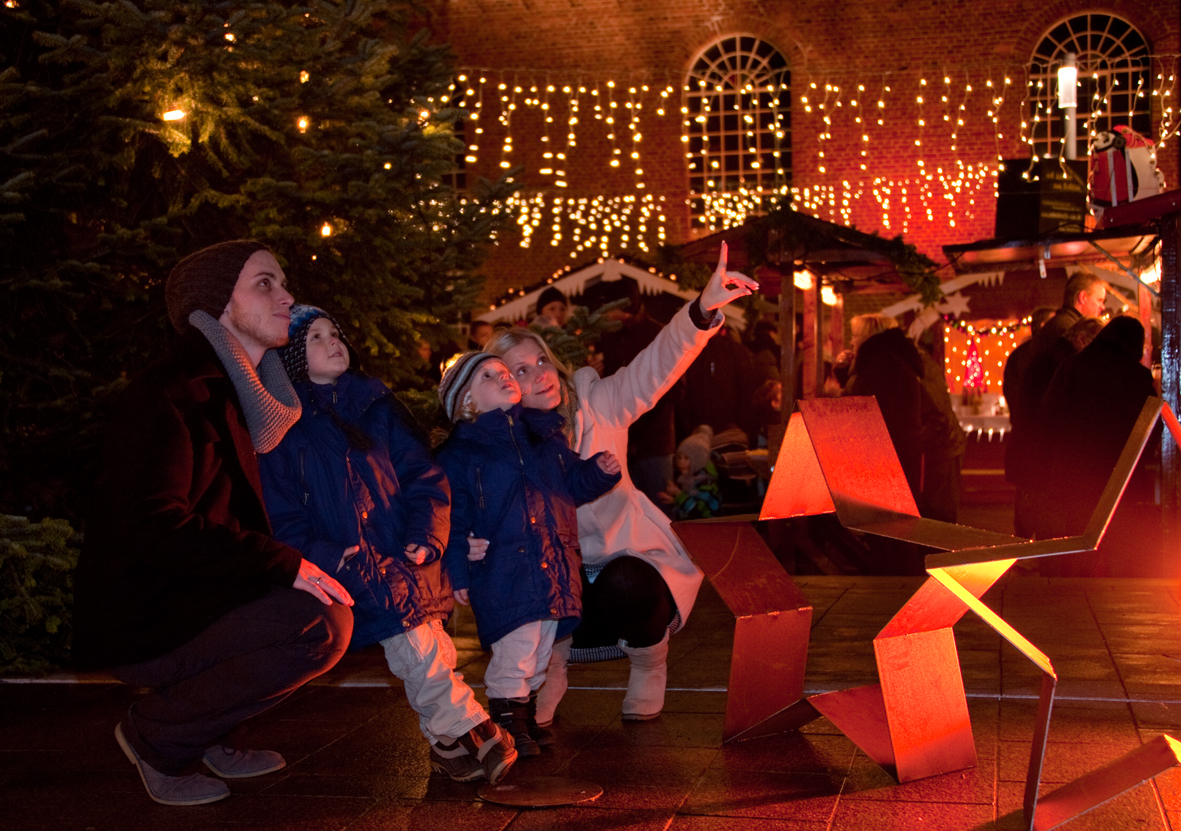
<point x="457" y="379"/>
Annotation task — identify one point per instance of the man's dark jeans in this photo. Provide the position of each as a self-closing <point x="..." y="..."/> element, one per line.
<point x="245" y="663"/>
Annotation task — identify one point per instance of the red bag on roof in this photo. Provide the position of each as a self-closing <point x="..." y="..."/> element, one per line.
<point x="1123" y="167"/>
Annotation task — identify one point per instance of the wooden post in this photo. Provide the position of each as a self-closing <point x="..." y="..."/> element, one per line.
<point x="1170" y="324"/>
<point x="817" y="366"/>
<point x="811" y="343"/>
<point x="836" y="327"/>
<point x="787" y="349"/>
<point x="1144" y="308"/>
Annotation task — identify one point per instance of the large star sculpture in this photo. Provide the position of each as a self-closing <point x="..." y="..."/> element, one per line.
<point x="837" y="457"/>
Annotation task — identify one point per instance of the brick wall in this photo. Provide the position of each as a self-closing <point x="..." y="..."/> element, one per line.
<point x="868" y="44"/>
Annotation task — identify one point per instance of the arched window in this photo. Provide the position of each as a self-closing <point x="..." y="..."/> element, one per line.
<point x="737" y="129"/>
<point x="1114" y="84"/>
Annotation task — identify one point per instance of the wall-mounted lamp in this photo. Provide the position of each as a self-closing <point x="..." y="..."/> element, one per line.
<point x="1068" y="100"/>
<point x="1068" y="82"/>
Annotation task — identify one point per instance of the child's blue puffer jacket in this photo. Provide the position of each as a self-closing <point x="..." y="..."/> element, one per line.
<point x="516" y="482"/>
<point x="323" y="497"/>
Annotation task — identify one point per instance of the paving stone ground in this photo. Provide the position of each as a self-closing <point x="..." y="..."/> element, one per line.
<point x="356" y="760"/>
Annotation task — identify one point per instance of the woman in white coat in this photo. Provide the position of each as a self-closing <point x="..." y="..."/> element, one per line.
<point x="639" y="584"/>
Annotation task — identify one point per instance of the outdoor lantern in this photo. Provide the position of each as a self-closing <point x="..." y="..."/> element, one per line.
<point x="1068" y="100"/>
<point x="1068" y="82"/>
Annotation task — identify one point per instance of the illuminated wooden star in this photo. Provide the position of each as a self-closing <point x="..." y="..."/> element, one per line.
<point x="837" y="457"/>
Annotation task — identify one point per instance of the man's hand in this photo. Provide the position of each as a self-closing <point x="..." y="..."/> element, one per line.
<point x="461" y="597"/>
<point x="725" y="286"/>
<point x="320" y="585"/>
<point x="608" y="463"/>
<point x="417" y="554"/>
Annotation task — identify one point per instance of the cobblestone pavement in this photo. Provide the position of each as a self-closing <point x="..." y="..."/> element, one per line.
<point x="357" y="761"/>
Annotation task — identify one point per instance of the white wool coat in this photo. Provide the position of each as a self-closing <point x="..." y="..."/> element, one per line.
<point x="624" y="521"/>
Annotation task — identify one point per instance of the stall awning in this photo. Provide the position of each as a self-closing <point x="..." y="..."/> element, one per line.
<point x="1054" y="250"/>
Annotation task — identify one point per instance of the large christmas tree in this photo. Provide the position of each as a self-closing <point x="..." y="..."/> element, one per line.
<point x="132" y="133"/>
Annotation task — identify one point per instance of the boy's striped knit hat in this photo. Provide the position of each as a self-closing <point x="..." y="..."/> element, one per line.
<point x="457" y="379"/>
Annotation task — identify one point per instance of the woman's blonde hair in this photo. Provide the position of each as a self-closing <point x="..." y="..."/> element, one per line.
<point x="864" y="327"/>
<point x="506" y="339"/>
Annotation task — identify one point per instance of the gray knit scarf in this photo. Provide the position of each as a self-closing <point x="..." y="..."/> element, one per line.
<point x="268" y="400"/>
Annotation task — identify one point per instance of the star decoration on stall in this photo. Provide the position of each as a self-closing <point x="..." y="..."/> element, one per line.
<point x="954" y="305"/>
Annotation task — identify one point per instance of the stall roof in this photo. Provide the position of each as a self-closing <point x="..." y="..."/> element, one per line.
<point x="1053" y="249"/>
<point x="821" y="246"/>
<point x="576" y="282"/>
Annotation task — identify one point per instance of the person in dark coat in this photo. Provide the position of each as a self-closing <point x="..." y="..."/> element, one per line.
<point x="944" y="445"/>
<point x="354" y="487"/>
<point x="1031" y="442"/>
<point x="479" y="334"/>
<point x="1085" y="296"/>
<point x="1028" y="441"/>
<point x="1018" y="361"/>
<point x="720" y="388"/>
<point x="181" y="587"/>
<point x="652" y="438"/>
<point x="1090" y="409"/>
<point x="516" y="483"/>
<point x="553" y="310"/>
<point x="764" y="346"/>
<point x="1018" y="469"/>
<point x="887" y="365"/>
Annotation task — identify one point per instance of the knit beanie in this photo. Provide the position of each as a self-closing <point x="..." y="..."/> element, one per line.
<point x="550" y="295"/>
<point x="457" y="380"/>
<point x="696" y="448"/>
<point x="205" y="280"/>
<point x="295" y="353"/>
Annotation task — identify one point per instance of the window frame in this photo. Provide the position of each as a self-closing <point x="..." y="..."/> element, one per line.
<point x="737" y="122"/>
<point x="1114" y="63"/>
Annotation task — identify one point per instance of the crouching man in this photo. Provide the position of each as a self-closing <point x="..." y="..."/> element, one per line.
<point x="181" y="587"/>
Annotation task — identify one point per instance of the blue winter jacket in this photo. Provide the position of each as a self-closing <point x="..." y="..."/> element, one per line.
<point x="516" y="482"/>
<point x="324" y="497"/>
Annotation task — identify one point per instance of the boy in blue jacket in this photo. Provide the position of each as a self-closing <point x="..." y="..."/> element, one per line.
<point x="353" y="486"/>
<point x="516" y="483"/>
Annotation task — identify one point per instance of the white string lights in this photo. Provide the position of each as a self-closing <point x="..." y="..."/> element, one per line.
<point x="597" y="224"/>
<point x="961" y="122"/>
<point x="994" y="345"/>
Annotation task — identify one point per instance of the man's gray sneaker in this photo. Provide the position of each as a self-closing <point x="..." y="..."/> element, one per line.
<point x="240" y="764"/>
<point x="191" y="789"/>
